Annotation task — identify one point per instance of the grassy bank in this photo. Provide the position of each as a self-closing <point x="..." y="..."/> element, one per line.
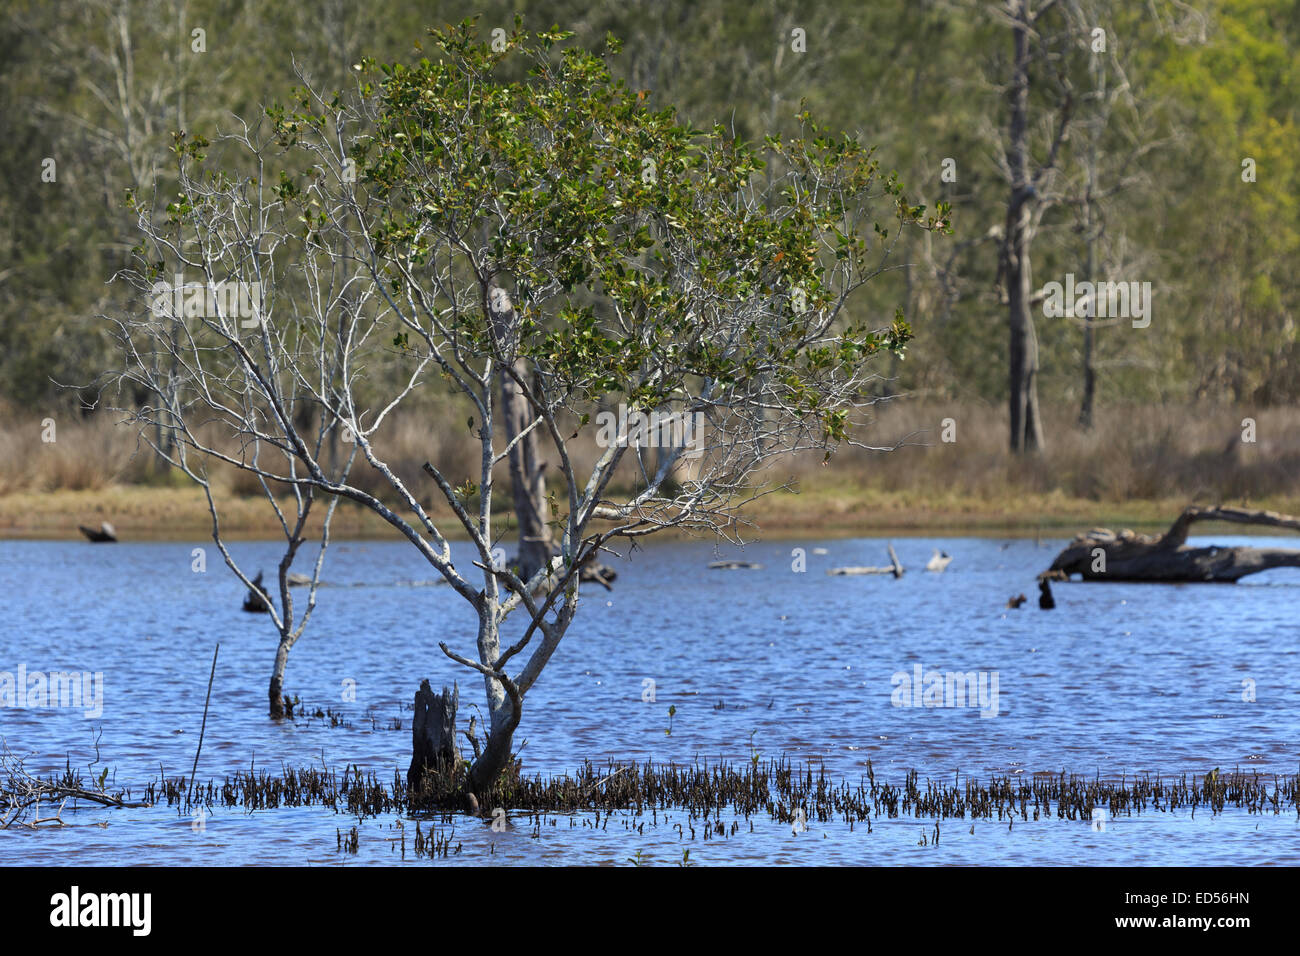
<point x="1137" y="468"/>
<point x="140" y="512"/>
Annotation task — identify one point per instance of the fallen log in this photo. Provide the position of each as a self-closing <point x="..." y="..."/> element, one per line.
<point x="895" y="568"/>
<point x="1103" y="555"/>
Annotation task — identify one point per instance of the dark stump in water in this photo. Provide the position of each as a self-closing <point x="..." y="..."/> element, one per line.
<point x="433" y="734"/>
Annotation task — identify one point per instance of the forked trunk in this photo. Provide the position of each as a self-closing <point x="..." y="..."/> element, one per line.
<point x="527" y="486"/>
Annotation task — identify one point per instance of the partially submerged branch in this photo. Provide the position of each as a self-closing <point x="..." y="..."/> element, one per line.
<point x="22" y="794"/>
<point x="1103" y="555"/>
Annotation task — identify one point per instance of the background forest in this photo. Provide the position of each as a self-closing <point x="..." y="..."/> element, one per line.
<point x="1167" y="152"/>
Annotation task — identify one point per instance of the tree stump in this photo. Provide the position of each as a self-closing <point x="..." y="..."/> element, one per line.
<point x="433" y="733"/>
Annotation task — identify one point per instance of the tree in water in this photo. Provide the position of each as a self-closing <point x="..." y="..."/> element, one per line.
<point x="506" y="218"/>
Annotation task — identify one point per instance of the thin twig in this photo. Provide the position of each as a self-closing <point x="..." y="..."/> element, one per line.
<point x="198" y="750"/>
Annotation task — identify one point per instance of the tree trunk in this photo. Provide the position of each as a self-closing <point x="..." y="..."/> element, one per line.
<point x="527" y="484"/>
<point x="1102" y="555"/>
<point x="1090" y="237"/>
<point x="433" y="733"/>
<point x="1089" y="367"/>
<point x="494" y="759"/>
<point x="276" y="691"/>
<point x="1026" y="421"/>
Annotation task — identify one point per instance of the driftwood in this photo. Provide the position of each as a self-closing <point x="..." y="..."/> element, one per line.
<point x="1102" y="555"/>
<point x="895" y="568"/>
<point x="734" y="566"/>
<point x="22" y="794"/>
<point x="433" y="733"/>
<point x="104" y="533"/>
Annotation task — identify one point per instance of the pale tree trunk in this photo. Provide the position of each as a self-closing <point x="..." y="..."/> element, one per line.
<point x="1089" y="366"/>
<point x="276" y="691"/>
<point x="503" y="717"/>
<point x="1090" y="237"/>
<point x="527" y="484"/>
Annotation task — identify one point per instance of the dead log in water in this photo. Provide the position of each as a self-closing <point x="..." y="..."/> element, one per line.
<point x="1103" y="555"/>
<point x="895" y="567"/>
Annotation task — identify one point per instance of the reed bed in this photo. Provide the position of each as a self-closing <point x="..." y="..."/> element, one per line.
<point x="699" y="802"/>
<point x="775" y="788"/>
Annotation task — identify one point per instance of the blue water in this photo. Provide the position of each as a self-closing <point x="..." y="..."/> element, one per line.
<point x="1120" y="679"/>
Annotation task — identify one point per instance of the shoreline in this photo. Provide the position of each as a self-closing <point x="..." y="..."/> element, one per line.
<point x="146" y="513"/>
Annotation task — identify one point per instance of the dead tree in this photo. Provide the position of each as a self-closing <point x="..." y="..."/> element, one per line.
<point x="1103" y="555"/>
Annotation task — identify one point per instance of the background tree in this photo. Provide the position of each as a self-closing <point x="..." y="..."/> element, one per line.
<point x="1026" y="177"/>
<point x="206" y="410"/>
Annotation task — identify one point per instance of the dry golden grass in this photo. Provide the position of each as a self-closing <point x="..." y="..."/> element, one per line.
<point x="1138" y="466"/>
<point x="1132" y="453"/>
